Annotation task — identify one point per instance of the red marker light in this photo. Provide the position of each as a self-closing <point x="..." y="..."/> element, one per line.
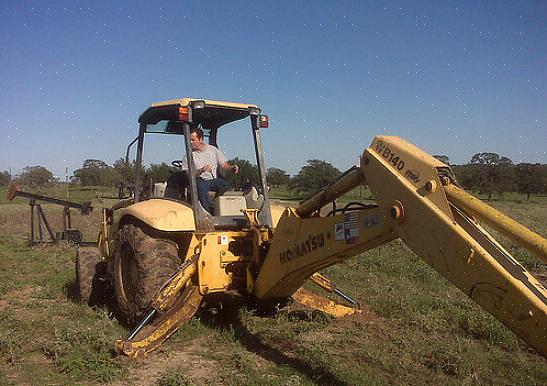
<point x="264" y="121"/>
<point x="183" y="114"/>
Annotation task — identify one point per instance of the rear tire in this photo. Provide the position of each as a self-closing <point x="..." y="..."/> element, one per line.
<point x="90" y="273"/>
<point x="142" y="264"/>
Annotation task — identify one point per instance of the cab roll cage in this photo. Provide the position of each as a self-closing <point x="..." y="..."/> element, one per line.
<point x="204" y="220"/>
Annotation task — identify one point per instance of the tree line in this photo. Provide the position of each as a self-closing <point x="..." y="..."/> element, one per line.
<point x="491" y="173"/>
<point x="486" y="173"/>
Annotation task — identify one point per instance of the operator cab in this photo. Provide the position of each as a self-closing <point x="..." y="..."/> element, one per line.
<point x="178" y="117"/>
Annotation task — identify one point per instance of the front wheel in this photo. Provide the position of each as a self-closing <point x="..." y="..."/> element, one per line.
<point x="90" y="275"/>
<point x="142" y="264"/>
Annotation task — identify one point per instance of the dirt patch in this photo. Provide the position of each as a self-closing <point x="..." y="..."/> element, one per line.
<point x="365" y="315"/>
<point x="25" y="293"/>
<point x="186" y="359"/>
<point x="26" y="303"/>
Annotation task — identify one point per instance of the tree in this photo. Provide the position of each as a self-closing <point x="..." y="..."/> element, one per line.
<point x="530" y="179"/>
<point x="158" y="172"/>
<point x="277" y="177"/>
<point x="315" y="175"/>
<point x="492" y="173"/>
<point x="125" y="171"/>
<point x="466" y="175"/>
<point x="543" y="172"/>
<point x="490" y="159"/>
<point x="36" y="177"/>
<point x="248" y="174"/>
<point x="5" y="178"/>
<point x="95" y="172"/>
<point x="443" y="158"/>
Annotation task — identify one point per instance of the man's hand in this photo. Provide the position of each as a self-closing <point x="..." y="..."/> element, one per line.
<point x="233" y="168"/>
<point x="206" y="168"/>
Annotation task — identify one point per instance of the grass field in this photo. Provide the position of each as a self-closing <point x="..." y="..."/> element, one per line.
<point x="416" y="328"/>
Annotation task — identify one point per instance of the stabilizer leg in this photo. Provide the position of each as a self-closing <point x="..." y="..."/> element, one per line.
<point x="311" y="300"/>
<point x="152" y="335"/>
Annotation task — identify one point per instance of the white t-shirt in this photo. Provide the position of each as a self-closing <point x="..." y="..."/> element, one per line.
<point x="210" y="155"/>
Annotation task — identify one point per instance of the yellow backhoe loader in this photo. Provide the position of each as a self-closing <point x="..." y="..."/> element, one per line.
<point x="162" y="255"/>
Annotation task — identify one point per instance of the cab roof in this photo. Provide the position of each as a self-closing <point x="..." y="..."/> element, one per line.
<point x="213" y="115"/>
<point x="184" y="102"/>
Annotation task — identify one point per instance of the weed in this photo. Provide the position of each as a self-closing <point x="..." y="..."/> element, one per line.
<point x="174" y="378"/>
<point x="441" y="358"/>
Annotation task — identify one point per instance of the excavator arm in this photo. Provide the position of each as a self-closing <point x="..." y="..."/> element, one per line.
<point x="420" y="202"/>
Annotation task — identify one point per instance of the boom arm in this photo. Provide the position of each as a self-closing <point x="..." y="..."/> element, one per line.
<point x="418" y="201"/>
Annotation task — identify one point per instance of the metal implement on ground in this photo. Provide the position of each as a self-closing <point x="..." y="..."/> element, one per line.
<point x="38" y="216"/>
<point x="251" y="246"/>
<point x="329" y="286"/>
<point x="150" y="333"/>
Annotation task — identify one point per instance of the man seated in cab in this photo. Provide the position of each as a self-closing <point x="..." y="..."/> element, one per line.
<point x="207" y="161"/>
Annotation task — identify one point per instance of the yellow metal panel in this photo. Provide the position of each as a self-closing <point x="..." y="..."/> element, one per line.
<point x="412" y="165"/>
<point x="302" y="246"/>
<point x="219" y="268"/>
<point x="495" y="282"/>
<point x="160" y="214"/>
<point x="336" y="310"/>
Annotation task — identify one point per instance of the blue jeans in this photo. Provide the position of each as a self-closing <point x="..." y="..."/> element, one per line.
<point x="219" y="185"/>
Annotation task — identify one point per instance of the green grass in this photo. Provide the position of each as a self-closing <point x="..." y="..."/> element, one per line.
<point x="44" y="335"/>
<point x="416" y="329"/>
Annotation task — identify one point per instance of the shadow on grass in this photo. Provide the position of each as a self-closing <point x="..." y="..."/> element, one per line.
<point x="229" y="319"/>
<point x="101" y="297"/>
<point x="71" y="291"/>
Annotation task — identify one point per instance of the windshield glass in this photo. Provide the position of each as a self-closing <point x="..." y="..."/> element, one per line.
<point x="165" y="127"/>
<point x="234" y="140"/>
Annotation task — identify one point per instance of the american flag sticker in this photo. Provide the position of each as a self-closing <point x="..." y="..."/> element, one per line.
<point x="339" y="231"/>
<point x="371" y="222"/>
<point x="351" y="228"/>
<point x="222" y="240"/>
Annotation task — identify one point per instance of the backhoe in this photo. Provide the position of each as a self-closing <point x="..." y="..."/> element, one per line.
<point x="163" y="255"/>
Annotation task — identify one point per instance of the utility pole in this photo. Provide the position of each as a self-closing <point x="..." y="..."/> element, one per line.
<point x="360" y="185"/>
<point x="66" y="181"/>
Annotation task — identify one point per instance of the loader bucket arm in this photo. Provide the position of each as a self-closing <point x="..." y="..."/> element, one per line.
<point x="420" y="202"/>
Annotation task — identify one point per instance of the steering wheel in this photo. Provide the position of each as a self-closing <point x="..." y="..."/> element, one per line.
<point x="177" y="163"/>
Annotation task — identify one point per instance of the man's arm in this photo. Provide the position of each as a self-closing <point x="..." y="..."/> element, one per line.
<point x="223" y="162"/>
<point x="228" y="166"/>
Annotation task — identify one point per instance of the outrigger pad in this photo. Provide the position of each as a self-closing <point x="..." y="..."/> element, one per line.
<point x="155" y="333"/>
<point x="311" y="300"/>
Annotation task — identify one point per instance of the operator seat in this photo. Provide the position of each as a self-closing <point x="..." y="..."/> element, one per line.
<point x="253" y="199"/>
<point x="177" y="186"/>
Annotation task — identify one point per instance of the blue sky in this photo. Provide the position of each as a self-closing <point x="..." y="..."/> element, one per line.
<point x="453" y="77"/>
